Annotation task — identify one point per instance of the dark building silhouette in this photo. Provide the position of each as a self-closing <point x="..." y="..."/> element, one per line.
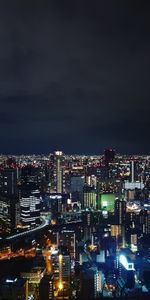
<point x="13" y="288"/>
<point x="109" y="155"/>
<point x="46" y="288"/>
<point x="9" y="181"/>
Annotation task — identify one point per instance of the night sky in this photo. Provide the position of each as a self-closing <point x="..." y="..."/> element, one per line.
<point x="74" y="76"/>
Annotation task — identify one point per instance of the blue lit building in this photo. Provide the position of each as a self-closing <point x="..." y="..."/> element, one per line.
<point x="127" y="271"/>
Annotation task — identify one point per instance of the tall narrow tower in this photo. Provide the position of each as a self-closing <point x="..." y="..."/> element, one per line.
<point x="59" y="184"/>
<point x="132" y="171"/>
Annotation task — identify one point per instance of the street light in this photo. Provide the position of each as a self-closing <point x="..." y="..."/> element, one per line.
<point x="61" y="290"/>
<point x="60" y="286"/>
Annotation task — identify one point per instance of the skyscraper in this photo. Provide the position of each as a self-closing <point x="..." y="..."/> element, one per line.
<point x="30" y="211"/>
<point x="8" y="181"/>
<point x="89" y="197"/>
<point x="109" y="155"/>
<point x="61" y="268"/>
<point x="9" y="213"/>
<point x="120" y="217"/>
<point x="59" y="183"/>
<point x="67" y="238"/>
<point x="120" y="211"/>
<point x="46" y="288"/>
<point x="91" y="283"/>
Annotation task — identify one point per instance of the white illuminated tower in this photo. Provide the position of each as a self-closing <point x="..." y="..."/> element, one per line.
<point x="132" y="171"/>
<point x="58" y="155"/>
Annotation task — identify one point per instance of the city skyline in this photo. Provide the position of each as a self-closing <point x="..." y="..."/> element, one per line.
<point x="74" y="227"/>
<point x="74" y="76"/>
<point x="100" y="154"/>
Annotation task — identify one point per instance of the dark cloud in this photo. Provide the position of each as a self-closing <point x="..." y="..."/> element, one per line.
<point x="74" y="75"/>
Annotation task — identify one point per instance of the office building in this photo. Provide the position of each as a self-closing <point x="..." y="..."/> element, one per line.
<point x="9" y="213"/>
<point x="67" y="238"/>
<point x="77" y="184"/>
<point x="120" y="212"/>
<point x="127" y="270"/>
<point x="144" y="217"/>
<point x="58" y="172"/>
<point x="89" y="197"/>
<point x="109" y="155"/>
<point x="88" y="224"/>
<point x="91" y="283"/>
<point x="30" y="211"/>
<point x="9" y="181"/>
<point x="106" y="202"/>
<point x="61" y="269"/>
<point x="13" y="288"/>
<point x="116" y="230"/>
<point x="46" y="288"/>
<point x="91" y="180"/>
<point x="56" y="203"/>
<point x="33" y="279"/>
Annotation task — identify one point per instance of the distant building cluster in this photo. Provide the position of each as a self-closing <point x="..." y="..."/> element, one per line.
<point x="97" y="211"/>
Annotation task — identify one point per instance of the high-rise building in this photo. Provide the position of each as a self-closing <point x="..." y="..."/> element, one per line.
<point x="106" y="202"/>
<point x="91" y="180"/>
<point x="9" y="213"/>
<point x="127" y="270"/>
<point x="120" y="218"/>
<point x="59" y="173"/>
<point x="109" y="155"/>
<point x="77" y="183"/>
<point x="46" y="288"/>
<point x="67" y="238"/>
<point x="120" y="211"/>
<point x="89" y="197"/>
<point x="91" y="283"/>
<point x="30" y="211"/>
<point x="56" y="203"/>
<point x="33" y="278"/>
<point x="61" y="268"/>
<point x="116" y="230"/>
<point x="88" y="224"/>
<point x="145" y="222"/>
<point x="9" y="181"/>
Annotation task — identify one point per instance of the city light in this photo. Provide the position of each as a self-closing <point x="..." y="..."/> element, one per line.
<point x="11" y="281"/>
<point x="123" y="260"/>
<point x="94" y="223"/>
<point x="60" y="286"/>
<point x="60" y="258"/>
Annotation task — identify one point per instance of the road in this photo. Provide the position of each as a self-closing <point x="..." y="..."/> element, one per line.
<point x="41" y="226"/>
<point x="22" y="234"/>
<point x="8" y="254"/>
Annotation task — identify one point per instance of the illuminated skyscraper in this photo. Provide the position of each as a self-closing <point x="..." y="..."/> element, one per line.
<point x="9" y="213"/>
<point x="61" y="268"/>
<point x="91" y="283"/>
<point x="120" y="217"/>
<point x="145" y="222"/>
<point x="59" y="183"/>
<point x="67" y="238"/>
<point x="30" y="211"/>
<point x="89" y="197"/>
<point x="8" y="181"/>
<point x="120" y="211"/>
